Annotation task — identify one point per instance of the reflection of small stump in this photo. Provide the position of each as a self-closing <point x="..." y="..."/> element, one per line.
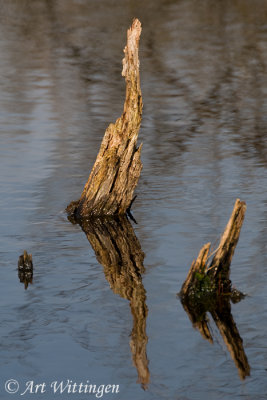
<point x="220" y="311"/>
<point x="25" y="268"/>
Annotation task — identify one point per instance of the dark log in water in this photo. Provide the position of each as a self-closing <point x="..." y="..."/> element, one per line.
<point x="110" y="187"/>
<point x="117" y="248"/>
<point x="25" y="269"/>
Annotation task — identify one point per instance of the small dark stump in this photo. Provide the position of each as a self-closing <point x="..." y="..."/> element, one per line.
<point x="25" y="269"/>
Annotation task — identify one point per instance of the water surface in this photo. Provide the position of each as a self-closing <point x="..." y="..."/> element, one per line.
<point x="203" y="77"/>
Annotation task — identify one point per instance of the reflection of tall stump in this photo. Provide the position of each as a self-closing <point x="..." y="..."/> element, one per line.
<point x="109" y="189"/>
<point x="119" y="251"/>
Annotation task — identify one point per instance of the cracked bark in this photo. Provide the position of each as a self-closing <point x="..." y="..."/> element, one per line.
<point x="110" y="187"/>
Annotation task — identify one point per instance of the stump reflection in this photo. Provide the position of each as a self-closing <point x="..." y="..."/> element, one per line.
<point x="220" y="310"/>
<point x="119" y="251"/>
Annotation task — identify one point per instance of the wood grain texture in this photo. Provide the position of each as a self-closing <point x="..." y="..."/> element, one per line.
<point x="110" y="187"/>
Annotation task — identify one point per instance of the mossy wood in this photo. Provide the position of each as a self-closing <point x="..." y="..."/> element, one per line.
<point x="208" y="288"/>
<point x="205" y="278"/>
<point x="110" y="187"/>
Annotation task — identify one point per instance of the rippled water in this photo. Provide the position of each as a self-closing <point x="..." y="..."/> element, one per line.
<point x="204" y="134"/>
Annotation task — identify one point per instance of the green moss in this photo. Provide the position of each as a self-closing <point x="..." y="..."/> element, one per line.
<point x="203" y="283"/>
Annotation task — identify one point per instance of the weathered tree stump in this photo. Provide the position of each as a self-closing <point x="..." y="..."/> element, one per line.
<point x="208" y="288"/>
<point x="110" y="187"/>
<point x="25" y="269"/>
<point x="117" y="248"/>
<point x="204" y="278"/>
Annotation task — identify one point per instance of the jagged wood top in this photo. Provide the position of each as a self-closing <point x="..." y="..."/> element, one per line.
<point x="110" y="187"/>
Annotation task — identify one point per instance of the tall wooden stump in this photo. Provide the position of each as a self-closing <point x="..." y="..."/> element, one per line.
<point x="110" y="187"/>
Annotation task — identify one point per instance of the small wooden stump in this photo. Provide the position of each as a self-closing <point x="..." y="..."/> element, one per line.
<point x="110" y="187"/>
<point x="25" y="269"/>
<point x="205" y="278"/>
<point x="208" y="288"/>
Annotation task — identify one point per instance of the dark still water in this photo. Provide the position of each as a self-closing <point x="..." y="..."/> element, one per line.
<point x="88" y="315"/>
